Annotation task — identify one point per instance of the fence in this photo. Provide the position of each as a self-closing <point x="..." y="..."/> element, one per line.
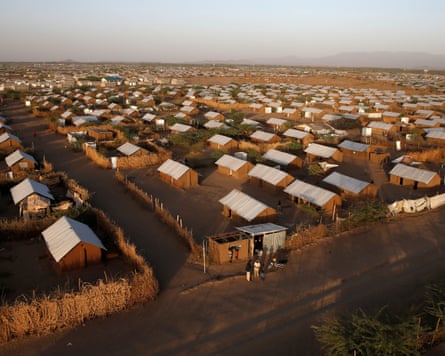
<point x="155" y="205"/>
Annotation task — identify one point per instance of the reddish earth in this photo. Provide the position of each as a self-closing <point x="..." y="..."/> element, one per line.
<point x="200" y="313"/>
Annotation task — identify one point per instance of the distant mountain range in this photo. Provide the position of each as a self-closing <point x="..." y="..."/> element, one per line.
<point x="402" y="60"/>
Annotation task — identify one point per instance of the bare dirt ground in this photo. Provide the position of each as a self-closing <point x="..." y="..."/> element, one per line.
<point x="200" y="314"/>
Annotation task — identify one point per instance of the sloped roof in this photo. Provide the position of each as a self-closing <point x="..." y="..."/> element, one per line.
<point x="279" y="157"/>
<point x="65" y="234"/>
<point x="440" y="135"/>
<point x="311" y="193"/>
<point x="243" y="205"/>
<point x="180" y="127"/>
<point x="173" y="169"/>
<point x="380" y="125"/>
<point x="298" y="134"/>
<point x="212" y="114"/>
<point x="268" y="174"/>
<point x="230" y="162"/>
<point x="266" y="228"/>
<point x="276" y="121"/>
<point x="27" y="187"/>
<point x="128" y="149"/>
<point x="353" y="146"/>
<point x="320" y="150"/>
<point x="214" y="124"/>
<point x="16" y="156"/>
<point x="415" y="174"/>
<point x="345" y="182"/>
<point x="80" y="120"/>
<point x="262" y="135"/>
<point x="220" y="139"/>
<point x="6" y="136"/>
<point x="148" y="117"/>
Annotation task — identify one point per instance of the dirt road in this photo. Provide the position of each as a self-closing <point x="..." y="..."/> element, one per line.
<point x="389" y="264"/>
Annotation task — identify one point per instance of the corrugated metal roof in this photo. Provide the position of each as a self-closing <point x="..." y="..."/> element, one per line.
<point x="353" y="146"/>
<point x="266" y="228"/>
<point x="268" y="174"/>
<point x="436" y="134"/>
<point x="211" y="114"/>
<point x="262" y="135"/>
<point x="128" y="149"/>
<point x="345" y="182"/>
<point x="415" y="174"/>
<point x="148" y="117"/>
<point x="243" y="205"/>
<point x="65" y="234"/>
<point x="380" y="125"/>
<point x="27" y="187"/>
<point x="320" y="150"/>
<point x="6" y="136"/>
<point x="331" y="117"/>
<point x="298" y="134"/>
<point x="80" y="120"/>
<point x="214" y="124"/>
<point x="311" y="193"/>
<point x="16" y="156"/>
<point x="230" y="162"/>
<point x="173" y="169"/>
<point x="180" y="127"/>
<point x="279" y="157"/>
<point x="220" y="139"/>
<point x="275" y="121"/>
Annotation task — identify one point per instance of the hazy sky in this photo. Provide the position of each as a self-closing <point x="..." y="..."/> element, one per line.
<point x="192" y="30"/>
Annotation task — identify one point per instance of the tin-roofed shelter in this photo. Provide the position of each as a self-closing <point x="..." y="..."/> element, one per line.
<point x="270" y="175"/>
<point x="229" y="246"/>
<point x="33" y="198"/>
<point x="223" y="143"/>
<point x="233" y="166"/>
<point x="19" y="161"/>
<point x="350" y="186"/>
<point x="355" y="149"/>
<point x="128" y="149"/>
<point x="405" y="175"/>
<point x="380" y="128"/>
<point x="277" y="124"/>
<point x="237" y="203"/>
<point x="303" y="137"/>
<point x="178" y="174"/>
<point x="315" y="150"/>
<point x="72" y="244"/>
<point x="268" y="237"/>
<point x="178" y="128"/>
<point x="283" y="158"/>
<point x="308" y="193"/>
<point x="436" y="136"/>
<point x="9" y="142"/>
<point x="264" y="137"/>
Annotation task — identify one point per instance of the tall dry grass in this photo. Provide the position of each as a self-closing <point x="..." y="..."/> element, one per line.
<point x="306" y="236"/>
<point x="59" y="309"/>
<point x="433" y="155"/>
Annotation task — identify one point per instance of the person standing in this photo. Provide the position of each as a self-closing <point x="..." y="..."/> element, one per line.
<point x="248" y="270"/>
<point x="256" y="269"/>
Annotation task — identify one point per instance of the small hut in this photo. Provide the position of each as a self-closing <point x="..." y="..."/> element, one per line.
<point x="33" y="198"/>
<point x="275" y="177"/>
<point x="315" y="150"/>
<point x="283" y="159"/>
<point x="19" y="161"/>
<point x="405" y="175"/>
<point x="223" y="143"/>
<point x="350" y="186"/>
<point x="308" y="193"/>
<point x="178" y="174"/>
<point x="355" y="149"/>
<point x="233" y="166"/>
<point x="9" y="142"/>
<point x="237" y="203"/>
<point x="72" y="244"/>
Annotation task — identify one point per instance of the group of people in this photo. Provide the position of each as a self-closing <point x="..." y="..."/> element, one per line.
<point x="257" y="268"/>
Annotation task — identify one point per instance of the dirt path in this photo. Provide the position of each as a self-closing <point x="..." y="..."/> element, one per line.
<point x="161" y="247"/>
<point x="389" y="264"/>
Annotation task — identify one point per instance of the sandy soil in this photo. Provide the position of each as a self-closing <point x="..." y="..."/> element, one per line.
<point x="200" y="313"/>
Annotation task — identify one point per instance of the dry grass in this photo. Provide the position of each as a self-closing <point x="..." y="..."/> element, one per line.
<point x="60" y="309"/>
<point x="435" y="155"/>
<point x="304" y="237"/>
